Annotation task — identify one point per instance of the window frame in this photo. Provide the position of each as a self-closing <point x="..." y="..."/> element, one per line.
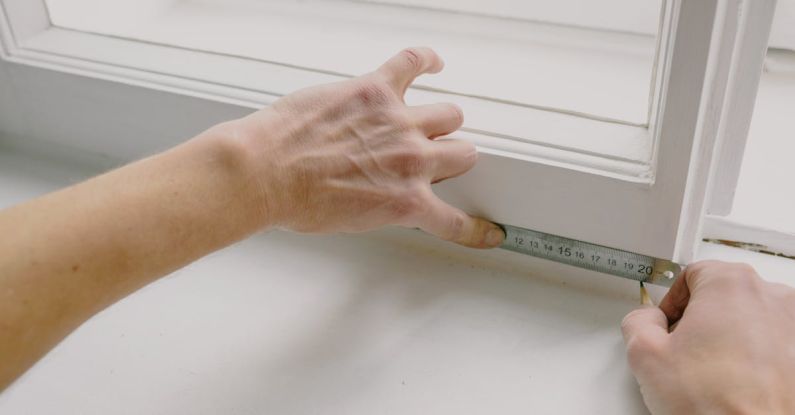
<point x="754" y="232"/>
<point x="511" y="125"/>
<point x="653" y="207"/>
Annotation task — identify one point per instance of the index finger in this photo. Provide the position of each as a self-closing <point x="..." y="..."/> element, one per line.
<point x="403" y="68"/>
<point x="453" y="224"/>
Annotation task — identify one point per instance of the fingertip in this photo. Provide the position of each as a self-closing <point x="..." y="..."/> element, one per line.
<point x="435" y="64"/>
<point x="437" y="120"/>
<point x="438" y="64"/>
<point x="403" y="68"/>
<point x="457" y="114"/>
<point x="483" y="235"/>
<point x="494" y="237"/>
<point x="455" y="225"/>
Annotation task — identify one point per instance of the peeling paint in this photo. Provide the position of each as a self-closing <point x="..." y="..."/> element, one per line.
<point x="749" y="246"/>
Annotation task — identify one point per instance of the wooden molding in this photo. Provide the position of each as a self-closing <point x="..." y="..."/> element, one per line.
<point x="747" y="61"/>
<point x="125" y="99"/>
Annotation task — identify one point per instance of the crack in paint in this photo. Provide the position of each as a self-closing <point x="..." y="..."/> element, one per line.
<point x="749" y="246"/>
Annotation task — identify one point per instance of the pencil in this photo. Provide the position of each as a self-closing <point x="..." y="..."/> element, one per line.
<point x="644" y="296"/>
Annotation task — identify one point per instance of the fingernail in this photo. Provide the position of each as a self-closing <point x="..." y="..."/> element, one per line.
<point x="495" y="237"/>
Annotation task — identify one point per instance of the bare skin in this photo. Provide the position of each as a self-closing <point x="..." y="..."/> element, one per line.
<point x="731" y="351"/>
<point x="344" y="157"/>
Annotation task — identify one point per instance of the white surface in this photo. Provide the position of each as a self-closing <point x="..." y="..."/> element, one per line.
<point x="257" y="84"/>
<point x="771" y="240"/>
<point x="569" y="197"/>
<point x="765" y="195"/>
<point x="289" y="324"/>
<point x="744" y="73"/>
<point x="391" y="322"/>
<point x="573" y="69"/>
<point x="783" y="34"/>
<point x="621" y="15"/>
<point x="616" y="15"/>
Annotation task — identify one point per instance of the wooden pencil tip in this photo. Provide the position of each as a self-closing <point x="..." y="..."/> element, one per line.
<point x="645" y="299"/>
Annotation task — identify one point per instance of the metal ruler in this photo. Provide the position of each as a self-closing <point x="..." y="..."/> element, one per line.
<point x="590" y="256"/>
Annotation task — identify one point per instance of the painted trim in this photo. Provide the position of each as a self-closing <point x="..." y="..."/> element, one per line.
<point x="756" y="238"/>
<point x="519" y="183"/>
<point x="746" y="66"/>
<point x="254" y="82"/>
<point x="24" y="18"/>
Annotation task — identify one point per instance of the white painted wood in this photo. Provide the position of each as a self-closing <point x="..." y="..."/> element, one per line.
<point x="617" y="15"/>
<point x="258" y="83"/>
<point x="389" y="322"/>
<point x="783" y="32"/>
<point x="764" y="197"/>
<point x="567" y="193"/>
<point x="9" y="109"/>
<point x="741" y="88"/>
<point x="104" y="117"/>
<point x="736" y="56"/>
<point x="780" y="61"/>
<point x="773" y="240"/>
<point x="28" y="16"/>
<point x="632" y="16"/>
<point x="516" y="61"/>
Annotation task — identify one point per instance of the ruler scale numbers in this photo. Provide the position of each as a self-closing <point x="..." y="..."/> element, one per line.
<point x="590" y="256"/>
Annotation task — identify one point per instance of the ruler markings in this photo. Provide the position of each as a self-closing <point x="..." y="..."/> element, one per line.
<point x="590" y="256"/>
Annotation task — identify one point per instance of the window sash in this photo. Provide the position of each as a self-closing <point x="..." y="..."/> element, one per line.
<point x="653" y="209"/>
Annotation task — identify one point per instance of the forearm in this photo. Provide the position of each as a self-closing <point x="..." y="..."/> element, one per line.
<point x="69" y="254"/>
<point x="343" y="157"/>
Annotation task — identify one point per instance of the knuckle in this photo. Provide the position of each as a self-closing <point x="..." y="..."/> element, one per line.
<point x="471" y="154"/>
<point x="742" y="274"/>
<point x="372" y="93"/>
<point x="640" y="347"/>
<point x="745" y="270"/>
<point x="455" y="228"/>
<point x="701" y="270"/>
<point x="643" y="344"/>
<point x="411" y="161"/>
<point x="399" y="120"/>
<point x="408" y="204"/>
<point x="391" y="121"/>
<point x="629" y="318"/>
<point x="456" y="113"/>
<point x="413" y="57"/>
<point x="400" y="209"/>
<point x="701" y="266"/>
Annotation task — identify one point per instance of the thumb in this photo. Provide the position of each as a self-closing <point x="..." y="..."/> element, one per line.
<point x="645" y="334"/>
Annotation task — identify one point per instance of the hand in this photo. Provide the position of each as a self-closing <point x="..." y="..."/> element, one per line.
<point x="351" y="156"/>
<point x="731" y="351"/>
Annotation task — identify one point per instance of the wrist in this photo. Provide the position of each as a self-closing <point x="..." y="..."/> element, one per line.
<point x="228" y="146"/>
